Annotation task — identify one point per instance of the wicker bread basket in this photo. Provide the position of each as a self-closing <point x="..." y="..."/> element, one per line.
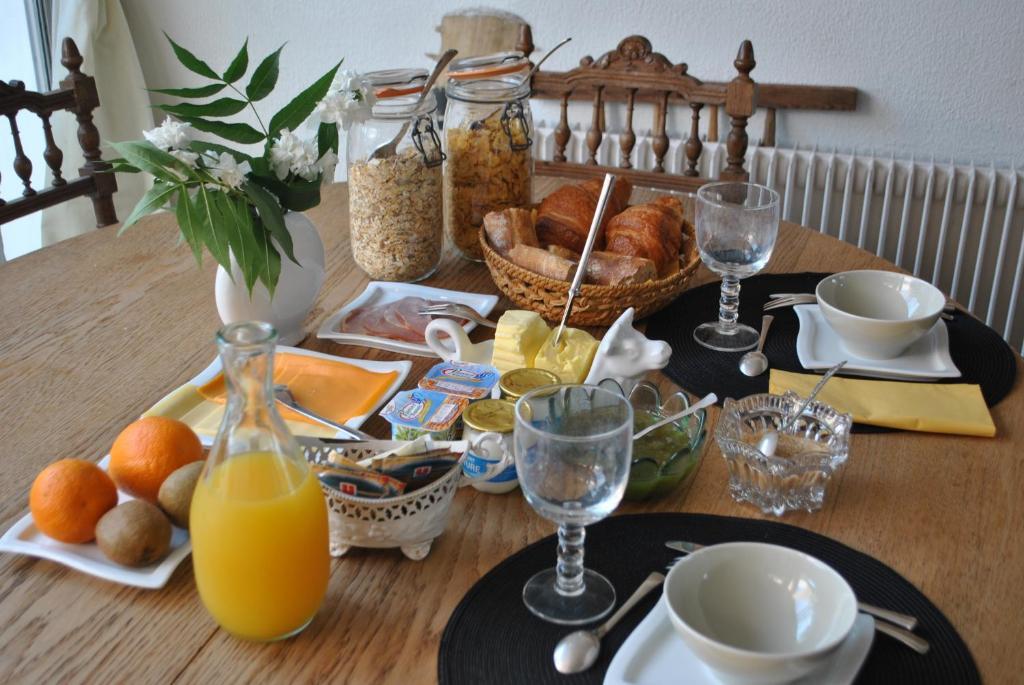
<point x="596" y="305"/>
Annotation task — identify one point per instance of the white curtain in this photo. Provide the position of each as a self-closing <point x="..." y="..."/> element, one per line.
<point x="100" y="30"/>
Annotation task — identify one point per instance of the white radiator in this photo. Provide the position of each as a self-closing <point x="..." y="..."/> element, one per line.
<point x="958" y="226"/>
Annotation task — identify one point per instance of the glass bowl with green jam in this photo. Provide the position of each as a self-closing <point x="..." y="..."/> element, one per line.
<point x="667" y="457"/>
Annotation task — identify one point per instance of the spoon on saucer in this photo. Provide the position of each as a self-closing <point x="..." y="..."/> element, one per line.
<point x="754" y="363"/>
<point x="577" y="651"/>
<point x="769" y="442"/>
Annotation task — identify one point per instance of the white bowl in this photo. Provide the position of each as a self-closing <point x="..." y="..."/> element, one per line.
<point x="757" y="613"/>
<point x="878" y="314"/>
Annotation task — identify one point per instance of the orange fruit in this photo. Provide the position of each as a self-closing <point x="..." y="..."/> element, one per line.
<point x="68" y="497"/>
<point x="148" y="451"/>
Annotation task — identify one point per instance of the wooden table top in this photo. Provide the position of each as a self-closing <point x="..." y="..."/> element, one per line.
<point x="99" y="327"/>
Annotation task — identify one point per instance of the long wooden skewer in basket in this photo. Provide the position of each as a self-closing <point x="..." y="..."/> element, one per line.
<point x="588" y="247"/>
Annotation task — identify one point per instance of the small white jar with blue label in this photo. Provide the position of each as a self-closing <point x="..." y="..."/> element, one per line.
<point x="489" y="416"/>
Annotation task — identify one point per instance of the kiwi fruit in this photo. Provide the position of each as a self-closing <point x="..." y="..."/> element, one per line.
<point x="135" y="533"/>
<point x="175" y="495"/>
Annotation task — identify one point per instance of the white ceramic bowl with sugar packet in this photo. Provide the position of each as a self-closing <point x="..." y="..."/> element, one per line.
<point x="878" y="314"/>
<point x="756" y="613"/>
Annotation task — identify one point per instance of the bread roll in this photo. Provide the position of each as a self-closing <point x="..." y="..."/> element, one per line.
<point x="653" y="231"/>
<point x="510" y="227"/>
<point x="542" y="262"/>
<point x="565" y="215"/>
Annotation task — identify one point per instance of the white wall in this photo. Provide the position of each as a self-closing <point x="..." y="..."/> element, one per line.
<point x="936" y="76"/>
<point x="21" y="235"/>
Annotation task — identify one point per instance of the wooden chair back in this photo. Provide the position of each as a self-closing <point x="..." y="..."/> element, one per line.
<point x="634" y="73"/>
<point x="77" y="94"/>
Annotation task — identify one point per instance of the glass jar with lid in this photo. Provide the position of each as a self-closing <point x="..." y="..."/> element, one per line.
<point x="395" y="201"/>
<point x="488" y="143"/>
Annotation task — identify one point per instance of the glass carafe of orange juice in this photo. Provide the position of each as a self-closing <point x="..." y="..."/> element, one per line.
<point x="258" y="519"/>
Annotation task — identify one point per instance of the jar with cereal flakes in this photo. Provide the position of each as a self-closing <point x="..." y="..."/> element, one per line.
<point x="488" y="142"/>
<point x="394" y="202"/>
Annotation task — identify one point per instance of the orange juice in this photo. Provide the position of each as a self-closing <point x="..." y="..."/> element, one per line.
<point x="259" y="545"/>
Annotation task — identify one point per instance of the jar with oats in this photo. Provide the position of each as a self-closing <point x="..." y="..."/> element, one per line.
<point x="487" y="140"/>
<point x="394" y="202"/>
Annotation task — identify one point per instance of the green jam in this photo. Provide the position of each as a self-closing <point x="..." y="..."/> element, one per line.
<point x="661" y="460"/>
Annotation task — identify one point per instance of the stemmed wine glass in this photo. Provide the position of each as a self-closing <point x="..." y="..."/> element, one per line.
<point x="573" y="447"/>
<point x="737" y="224"/>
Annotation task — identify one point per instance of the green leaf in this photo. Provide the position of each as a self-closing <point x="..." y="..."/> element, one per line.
<point x="264" y="78"/>
<point x="327" y="139"/>
<point x="190" y="61"/>
<point x="200" y="92"/>
<point x="236" y="132"/>
<point x="205" y="146"/>
<point x="297" y="196"/>
<point x="122" y="168"/>
<point x="268" y="259"/>
<point x="296" y="111"/>
<point x="190" y="223"/>
<point x="212" y="227"/>
<point x="154" y="199"/>
<point x="271" y="216"/>
<point x="218" y="108"/>
<point x="239" y="64"/>
<point x="237" y="224"/>
<point x="147" y="157"/>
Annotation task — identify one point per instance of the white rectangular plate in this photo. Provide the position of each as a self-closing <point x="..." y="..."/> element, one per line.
<point x="24" y="538"/>
<point x="654" y="654"/>
<point x="381" y="292"/>
<point x="401" y="367"/>
<point x="818" y="348"/>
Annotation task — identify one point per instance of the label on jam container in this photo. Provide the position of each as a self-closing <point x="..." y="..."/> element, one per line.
<point x="473" y="381"/>
<point x="477" y="464"/>
<point x="424" y="409"/>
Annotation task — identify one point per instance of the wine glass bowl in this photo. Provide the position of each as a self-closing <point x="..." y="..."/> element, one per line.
<point x="737" y="224"/>
<point x="573" y="446"/>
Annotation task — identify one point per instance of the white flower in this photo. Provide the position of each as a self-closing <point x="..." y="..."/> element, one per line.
<point x="291" y="154"/>
<point x="185" y="157"/>
<point x="228" y="171"/>
<point x="327" y="165"/>
<point x="170" y="135"/>
<point x="349" y="99"/>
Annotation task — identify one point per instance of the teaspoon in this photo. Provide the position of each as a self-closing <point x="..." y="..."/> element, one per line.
<point x="754" y="363"/>
<point x="769" y="442"/>
<point x="577" y="651"/>
<point x="705" y="401"/>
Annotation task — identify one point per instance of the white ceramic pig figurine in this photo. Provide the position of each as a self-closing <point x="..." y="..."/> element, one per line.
<point x="625" y="354"/>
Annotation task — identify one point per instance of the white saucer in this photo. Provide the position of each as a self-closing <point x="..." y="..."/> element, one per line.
<point x="655" y="655"/>
<point x="819" y="348"/>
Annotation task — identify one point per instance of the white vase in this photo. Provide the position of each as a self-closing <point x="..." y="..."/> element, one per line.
<point x="296" y="290"/>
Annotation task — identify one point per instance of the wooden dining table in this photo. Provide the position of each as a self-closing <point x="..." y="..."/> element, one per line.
<point x="99" y="327"/>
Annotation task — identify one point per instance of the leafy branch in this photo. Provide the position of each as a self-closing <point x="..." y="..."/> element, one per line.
<point x="240" y="221"/>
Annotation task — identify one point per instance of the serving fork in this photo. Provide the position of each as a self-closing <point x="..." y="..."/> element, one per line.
<point x="892" y="623"/>
<point x="456" y="310"/>
<point x="283" y="395"/>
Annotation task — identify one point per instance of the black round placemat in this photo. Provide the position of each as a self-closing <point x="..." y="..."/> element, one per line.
<point x="492" y="638"/>
<point x="982" y="356"/>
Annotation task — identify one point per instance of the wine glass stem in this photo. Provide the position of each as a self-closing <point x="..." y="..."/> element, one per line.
<point x="729" y="304"/>
<point x="570" y="559"/>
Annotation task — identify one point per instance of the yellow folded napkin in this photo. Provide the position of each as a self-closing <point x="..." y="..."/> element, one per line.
<point x="931" y="407"/>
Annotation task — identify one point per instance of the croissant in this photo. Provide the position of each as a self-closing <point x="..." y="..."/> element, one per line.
<point x="653" y="231"/>
<point x="564" y="216"/>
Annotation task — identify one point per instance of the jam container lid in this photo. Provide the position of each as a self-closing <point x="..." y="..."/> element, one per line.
<point x="498" y="416"/>
<point x="517" y="382"/>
